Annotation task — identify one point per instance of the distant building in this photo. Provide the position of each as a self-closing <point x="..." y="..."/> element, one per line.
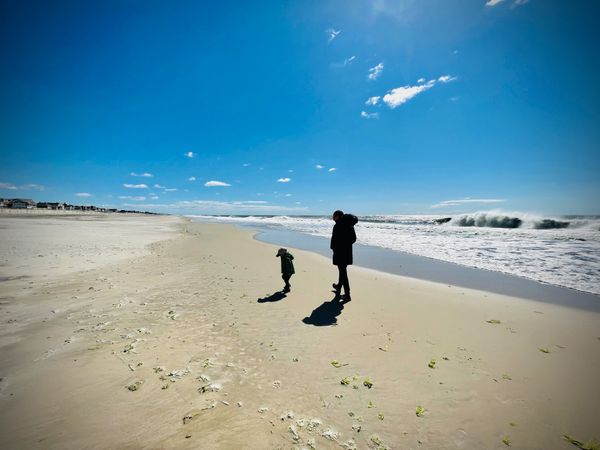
<point x="21" y="203"/>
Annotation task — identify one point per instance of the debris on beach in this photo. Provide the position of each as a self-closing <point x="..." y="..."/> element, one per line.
<point x="349" y="444"/>
<point x="506" y="376"/>
<point x="330" y="434"/>
<point x="380" y="416"/>
<point x="240" y="404"/>
<point x="203" y="377"/>
<point x="368" y="382"/>
<point x="544" y="350"/>
<point x="420" y="411"/>
<point x="135" y="386"/>
<point x="431" y="364"/>
<point x="276" y="384"/>
<point x="345" y="381"/>
<point x="212" y="387"/>
<point x="128" y="348"/>
<point x="287" y="415"/>
<point x="589" y="445"/>
<point x="335" y="363"/>
<point x="384" y="348"/>
<point x="262" y="409"/>
<point x="190" y="416"/>
<point x="506" y="441"/>
<point x="158" y="369"/>
<point x="370" y="405"/>
<point x="375" y="439"/>
<point x="356" y="427"/>
<point x="494" y="321"/>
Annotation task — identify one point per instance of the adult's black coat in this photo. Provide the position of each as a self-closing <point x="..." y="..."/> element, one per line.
<point x="342" y="238"/>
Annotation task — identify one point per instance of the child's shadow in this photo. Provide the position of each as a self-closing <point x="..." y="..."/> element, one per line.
<point x="279" y="295"/>
<point x="326" y="314"/>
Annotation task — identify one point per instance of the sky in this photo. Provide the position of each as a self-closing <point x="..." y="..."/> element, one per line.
<point x="277" y="107"/>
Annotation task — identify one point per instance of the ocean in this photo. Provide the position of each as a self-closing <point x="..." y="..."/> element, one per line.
<point x="561" y="250"/>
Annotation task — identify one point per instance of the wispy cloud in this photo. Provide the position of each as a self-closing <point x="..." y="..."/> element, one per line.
<point x="158" y="186"/>
<point x="467" y="200"/>
<point x="192" y="179"/>
<point x="493" y="2"/>
<point x="319" y="166"/>
<point x="332" y="34"/>
<point x="246" y="164"/>
<point x="374" y="72"/>
<point x="401" y="95"/>
<point x="215" y="183"/>
<point x="83" y="194"/>
<point x="135" y="186"/>
<point x="23" y="187"/>
<point x="190" y="154"/>
<point x="145" y="174"/>
<point x="518" y="3"/>
<point x="333" y="169"/>
<point x="446" y="79"/>
<point x="421" y="80"/>
<point x="208" y="206"/>
<point x="367" y="115"/>
<point x="170" y="189"/>
<point x="349" y="60"/>
<point x="284" y="180"/>
<point x="153" y="197"/>
<point x="373" y="100"/>
<point x="129" y="197"/>
<point x="10" y="186"/>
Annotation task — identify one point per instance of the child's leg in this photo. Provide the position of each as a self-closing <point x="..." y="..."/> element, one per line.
<point x="286" y="278"/>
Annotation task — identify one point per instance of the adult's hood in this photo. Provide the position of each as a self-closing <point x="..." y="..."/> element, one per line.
<point x="349" y="219"/>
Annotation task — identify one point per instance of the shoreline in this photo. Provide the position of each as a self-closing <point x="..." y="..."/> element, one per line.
<point x="187" y="343"/>
<point x="429" y="269"/>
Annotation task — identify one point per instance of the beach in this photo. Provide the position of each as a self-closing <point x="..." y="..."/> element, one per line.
<point x="155" y="332"/>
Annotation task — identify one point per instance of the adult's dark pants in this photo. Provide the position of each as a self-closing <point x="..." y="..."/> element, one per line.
<point x="343" y="279"/>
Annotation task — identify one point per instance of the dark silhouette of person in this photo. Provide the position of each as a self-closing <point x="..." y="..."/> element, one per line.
<point x="342" y="238"/>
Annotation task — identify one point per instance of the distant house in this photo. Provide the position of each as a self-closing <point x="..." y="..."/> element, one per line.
<point x="112" y="210"/>
<point x="4" y="203"/>
<point x="21" y="203"/>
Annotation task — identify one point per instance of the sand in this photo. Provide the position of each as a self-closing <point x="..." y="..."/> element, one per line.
<point x="186" y="344"/>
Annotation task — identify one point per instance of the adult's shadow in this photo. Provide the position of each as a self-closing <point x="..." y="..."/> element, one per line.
<point x="326" y="314"/>
<point x="275" y="297"/>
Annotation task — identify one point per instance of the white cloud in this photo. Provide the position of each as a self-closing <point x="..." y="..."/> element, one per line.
<point x="493" y="2"/>
<point x="349" y="60"/>
<point x="367" y="115"/>
<point x="518" y="3"/>
<point x="214" y="183"/>
<point x="373" y="100"/>
<point x="158" y="186"/>
<point x="467" y="200"/>
<point x="83" y="194"/>
<point x="210" y="206"/>
<point x="291" y="171"/>
<point x="145" y="174"/>
<point x="246" y="164"/>
<point x="333" y="169"/>
<point x="170" y="189"/>
<point x="129" y="197"/>
<point x="319" y="166"/>
<point x="31" y="186"/>
<point x="332" y="34"/>
<point x="446" y="79"/>
<point x="401" y="95"/>
<point x="374" y="72"/>
<point x="288" y="195"/>
<point x="153" y="197"/>
<point x="190" y="154"/>
<point x="192" y="179"/>
<point x="421" y="80"/>
<point x="135" y="186"/>
<point x="10" y="186"/>
<point x="284" y="180"/>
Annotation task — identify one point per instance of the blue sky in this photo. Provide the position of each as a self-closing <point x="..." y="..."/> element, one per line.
<point x="303" y="107"/>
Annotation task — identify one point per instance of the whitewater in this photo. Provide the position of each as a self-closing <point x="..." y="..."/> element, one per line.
<point x="562" y="251"/>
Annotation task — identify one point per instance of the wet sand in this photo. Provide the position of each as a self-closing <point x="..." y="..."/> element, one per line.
<point x="187" y="344"/>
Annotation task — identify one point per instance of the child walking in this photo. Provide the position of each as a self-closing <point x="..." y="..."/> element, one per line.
<point x="287" y="267"/>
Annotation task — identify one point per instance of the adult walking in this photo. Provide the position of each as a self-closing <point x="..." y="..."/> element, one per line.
<point x="342" y="238"/>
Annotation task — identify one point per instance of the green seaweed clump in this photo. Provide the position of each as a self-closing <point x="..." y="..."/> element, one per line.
<point x="494" y="321"/>
<point x="380" y="416"/>
<point x="506" y="376"/>
<point x="432" y="363"/>
<point x="345" y="381"/>
<point x="335" y="363"/>
<point x="590" y="445"/>
<point x="420" y="411"/>
<point x="506" y="441"/>
<point x="134" y="386"/>
<point x="368" y="382"/>
<point x="544" y="350"/>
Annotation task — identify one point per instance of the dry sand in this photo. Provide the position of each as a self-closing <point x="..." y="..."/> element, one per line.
<point x="215" y="361"/>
